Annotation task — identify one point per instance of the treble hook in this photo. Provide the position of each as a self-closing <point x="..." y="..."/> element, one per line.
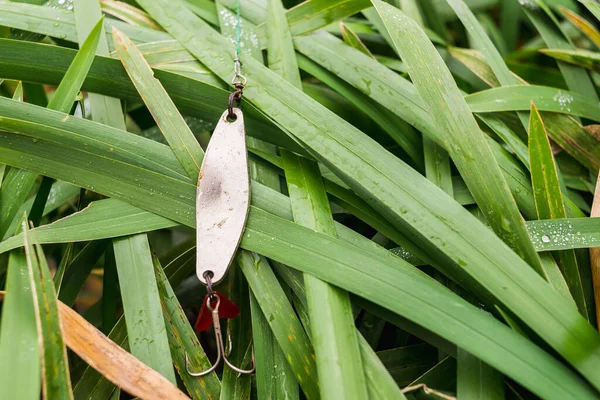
<point x="220" y="347"/>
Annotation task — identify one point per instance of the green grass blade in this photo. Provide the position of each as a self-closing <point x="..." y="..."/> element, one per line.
<point x="302" y="245"/>
<point x="514" y="98"/>
<point x="39" y="202"/>
<point x="233" y="384"/>
<point x="62" y="101"/>
<point x="143" y="313"/>
<point x="477" y="380"/>
<point x="110" y="294"/>
<point x="60" y="23"/>
<point x="309" y="16"/>
<point x="274" y="376"/>
<point x="399" y="96"/>
<point x="281" y="56"/>
<point x="128" y="13"/>
<point x="339" y="363"/>
<point x="182" y="340"/>
<point x="107" y="76"/>
<point x="78" y="271"/>
<point x="282" y="319"/>
<point x="411" y="8"/>
<point x="167" y="117"/>
<point x="14" y="191"/>
<point x="401" y="132"/>
<point x="549" y="201"/>
<point x="205" y="9"/>
<point x="563" y="130"/>
<point x="433" y="18"/>
<point x="484" y="245"/>
<point x="69" y="87"/>
<point x="19" y="350"/>
<point x="564" y="234"/>
<point x="437" y="165"/>
<point x="578" y="80"/>
<point x="504" y="75"/>
<point x="56" y="381"/>
<point x="592" y="6"/>
<point x="583" y="58"/>
<point x="18" y="93"/>
<point x="380" y="384"/>
<point x="352" y="39"/>
<point x="340" y="276"/>
<point x="510" y="18"/>
<point x="492" y="55"/>
<point x="105" y="110"/>
<point x="338" y="360"/>
<point x="464" y="140"/>
<point x="507" y="135"/>
<point x="483" y="42"/>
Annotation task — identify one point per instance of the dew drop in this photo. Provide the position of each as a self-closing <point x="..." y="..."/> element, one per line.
<point x="545" y="239"/>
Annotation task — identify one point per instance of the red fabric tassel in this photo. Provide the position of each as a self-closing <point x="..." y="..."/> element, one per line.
<point x="227" y="309"/>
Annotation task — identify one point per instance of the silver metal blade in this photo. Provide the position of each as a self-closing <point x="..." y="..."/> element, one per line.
<point x="222" y="198"/>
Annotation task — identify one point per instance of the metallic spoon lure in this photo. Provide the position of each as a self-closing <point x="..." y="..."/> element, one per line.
<point x="223" y="198"/>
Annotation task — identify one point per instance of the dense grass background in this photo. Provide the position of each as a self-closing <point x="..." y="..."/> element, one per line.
<point x="423" y="177"/>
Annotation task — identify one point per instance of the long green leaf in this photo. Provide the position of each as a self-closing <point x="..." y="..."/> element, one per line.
<point x="578" y="80"/>
<point x="565" y="131"/>
<point x="592" y="6"/>
<point x="339" y="363"/>
<point x="476" y="380"/>
<point x="274" y="376"/>
<point x="145" y="322"/>
<point x="400" y="97"/>
<point x="332" y="324"/>
<point x="56" y="382"/>
<point x="14" y="191"/>
<point x="112" y="218"/>
<point x="484" y="244"/>
<point x="20" y="374"/>
<point x="62" y="101"/>
<point x="300" y="246"/>
<point x="549" y="201"/>
<point x="513" y="98"/>
<point x="341" y="276"/>
<point x="401" y="132"/>
<point x="285" y="326"/>
<point x="583" y="58"/>
<point x="107" y="76"/>
<point x="80" y="268"/>
<point x="105" y="110"/>
<point x="178" y="134"/>
<point x="464" y="140"/>
<point x="380" y="383"/>
<point x="65" y="94"/>
<point x="183" y="340"/>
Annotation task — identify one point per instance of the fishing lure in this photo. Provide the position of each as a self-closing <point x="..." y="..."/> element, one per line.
<point x="222" y="204"/>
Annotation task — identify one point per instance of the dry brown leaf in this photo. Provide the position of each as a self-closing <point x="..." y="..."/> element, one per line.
<point x="117" y="365"/>
<point x="109" y="359"/>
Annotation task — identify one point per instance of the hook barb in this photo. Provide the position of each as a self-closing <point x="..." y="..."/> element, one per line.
<point x="220" y="347"/>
